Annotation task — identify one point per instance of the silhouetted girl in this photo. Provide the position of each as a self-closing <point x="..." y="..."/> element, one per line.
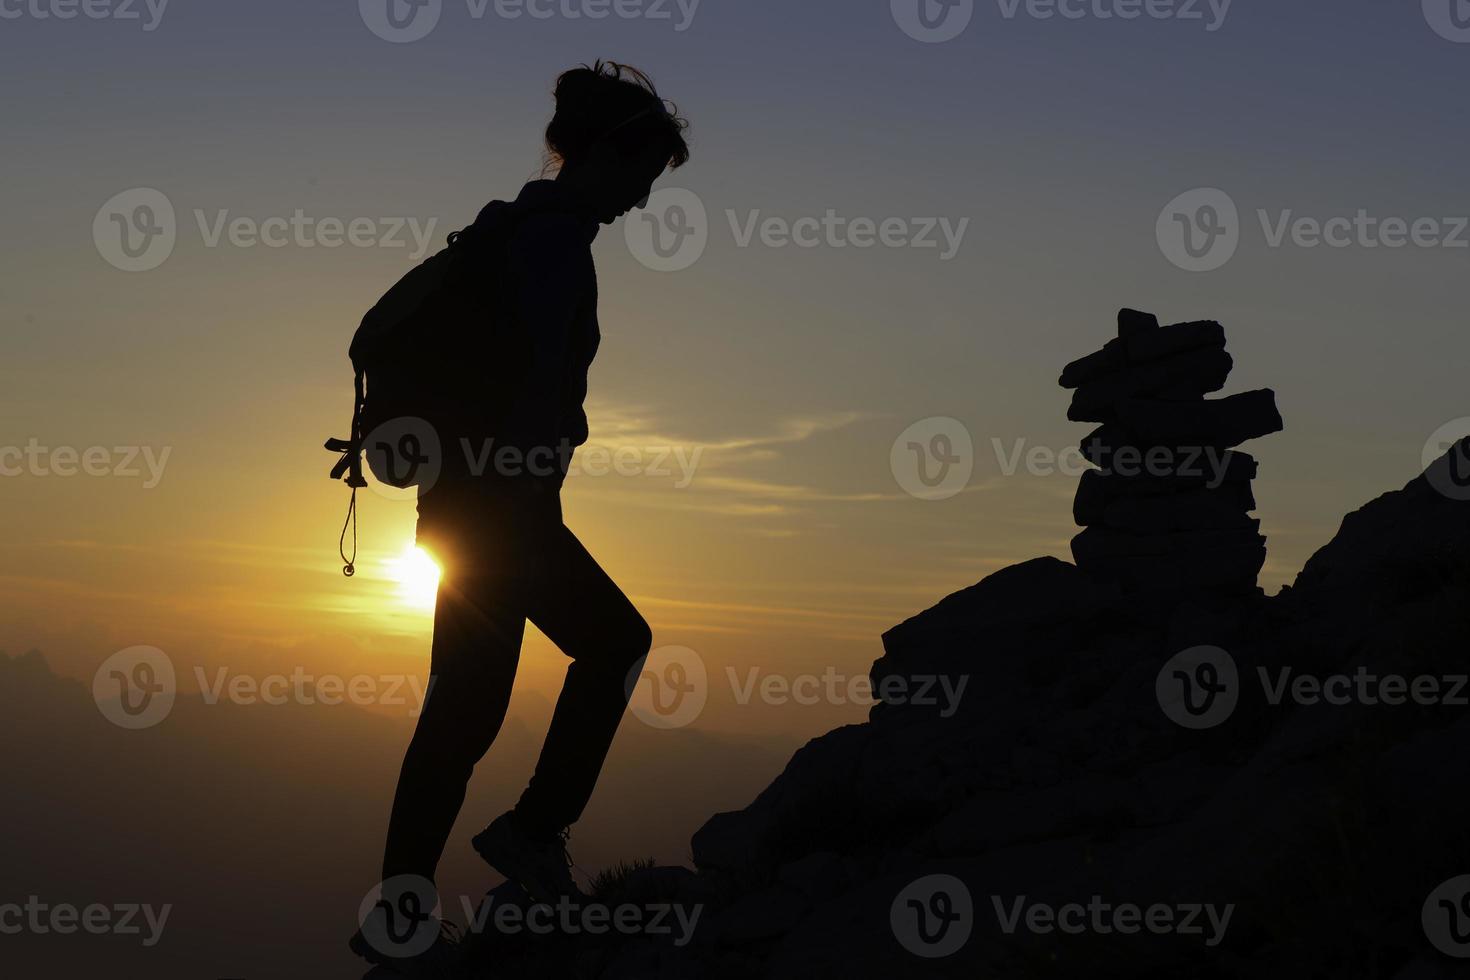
<point x="505" y="553"/>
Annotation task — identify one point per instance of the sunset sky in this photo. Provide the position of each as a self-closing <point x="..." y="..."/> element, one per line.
<point x="787" y="371"/>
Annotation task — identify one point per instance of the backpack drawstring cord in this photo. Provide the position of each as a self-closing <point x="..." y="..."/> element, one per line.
<point x="350" y="568"/>
<point x="350" y="468"/>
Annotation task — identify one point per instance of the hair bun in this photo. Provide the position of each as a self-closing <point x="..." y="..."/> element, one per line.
<point x="595" y="100"/>
<point x="576" y="90"/>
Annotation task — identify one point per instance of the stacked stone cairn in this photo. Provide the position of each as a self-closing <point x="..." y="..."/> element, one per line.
<point x="1167" y="511"/>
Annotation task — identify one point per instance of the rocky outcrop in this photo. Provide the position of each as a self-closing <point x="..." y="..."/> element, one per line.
<point x="1063" y="762"/>
<point x="1061" y="776"/>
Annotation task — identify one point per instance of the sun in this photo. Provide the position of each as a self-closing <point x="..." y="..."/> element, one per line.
<point x="417" y="576"/>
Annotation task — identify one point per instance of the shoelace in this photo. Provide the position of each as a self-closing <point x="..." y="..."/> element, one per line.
<point x="565" y="837"/>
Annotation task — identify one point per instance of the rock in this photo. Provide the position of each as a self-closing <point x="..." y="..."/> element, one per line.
<point x="1196" y="372"/>
<point x="1098" y="543"/>
<point x="1133" y="325"/>
<point x="1218" y="423"/>
<point x="1223" y="508"/>
<point x="1111" y="358"/>
<point x="1323" y="828"/>
<point x="1119" y="452"/>
<point x="1140" y="338"/>
<point x="1174" y="339"/>
<point x="1097" y="488"/>
<point x="762" y="916"/>
<point x="1229" y="566"/>
<point x="816" y="876"/>
<point x="1039" y="589"/>
<point x="1168" y="512"/>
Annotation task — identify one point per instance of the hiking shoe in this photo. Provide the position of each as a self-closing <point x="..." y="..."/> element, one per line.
<point x="413" y="954"/>
<point x="539" y="864"/>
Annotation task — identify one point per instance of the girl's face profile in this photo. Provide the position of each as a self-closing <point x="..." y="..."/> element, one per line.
<point x="624" y="180"/>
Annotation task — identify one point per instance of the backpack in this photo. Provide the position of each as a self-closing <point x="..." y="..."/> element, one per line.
<point x="422" y="359"/>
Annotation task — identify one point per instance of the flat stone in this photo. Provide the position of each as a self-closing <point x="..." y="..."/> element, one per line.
<point x="1221" y="422"/>
<point x="1198" y="371"/>
<point x="1120" y="453"/>
<point x="1133" y="324"/>
<point x="1229" y="567"/>
<point x="1173" y="339"/>
<point x="1100" y="543"/>
<point x="1227" y="507"/>
<point x="1109" y="359"/>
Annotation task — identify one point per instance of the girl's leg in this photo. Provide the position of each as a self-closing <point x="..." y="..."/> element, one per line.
<point x="583" y="612"/>
<point x="478" y="625"/>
